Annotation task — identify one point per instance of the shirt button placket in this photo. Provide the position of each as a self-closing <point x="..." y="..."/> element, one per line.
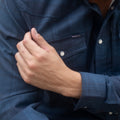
<point x="100" y="41"/>
<point x="110" y="113"/>
<point x="100" y="55"/>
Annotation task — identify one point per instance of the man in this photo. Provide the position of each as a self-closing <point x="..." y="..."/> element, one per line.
<point x="81" y="84"/>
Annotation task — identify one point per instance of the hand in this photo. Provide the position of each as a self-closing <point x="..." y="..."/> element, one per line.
<point x="41" y="66"/>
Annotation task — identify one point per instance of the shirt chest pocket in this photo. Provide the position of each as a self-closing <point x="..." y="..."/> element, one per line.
<point x="72" y="49"/>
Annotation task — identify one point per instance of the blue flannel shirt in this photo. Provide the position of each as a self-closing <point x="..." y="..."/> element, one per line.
<point x="86" y="41"/>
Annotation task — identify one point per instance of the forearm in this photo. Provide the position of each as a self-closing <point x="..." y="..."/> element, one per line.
<point x="73" y="84"/>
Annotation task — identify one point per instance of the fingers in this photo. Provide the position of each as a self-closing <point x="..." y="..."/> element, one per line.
<point x="22" y="73"/>
<point x="39" y="39"/>
<point x="20" y="61"/>
<point x="24" y="52"/>
<point x="30" y="45"/>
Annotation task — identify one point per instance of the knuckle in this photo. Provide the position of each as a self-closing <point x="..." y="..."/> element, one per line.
<point x="52" y="48"/>
<point x="18" y="45"/>
<point x="29" y="74"/>
<point x="41" y="57"/>
<point x="28" y="77"/>
<point x="27" y="80"/>
<point x="37" y="55"/>
<point x="27" y="35"/>
<point x="25" y="41"/>
<point x="31" y="65"/>
<point x="22" y="51"/>
<point x="16" y="55"/>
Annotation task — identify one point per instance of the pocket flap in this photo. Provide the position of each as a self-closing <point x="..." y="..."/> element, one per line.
<point x="70" y="45"/>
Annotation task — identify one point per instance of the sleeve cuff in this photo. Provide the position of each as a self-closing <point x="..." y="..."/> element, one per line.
<point x="93" y="91"/>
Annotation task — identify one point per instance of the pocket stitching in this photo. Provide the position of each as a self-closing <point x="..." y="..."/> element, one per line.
<point x="68" y="52"/>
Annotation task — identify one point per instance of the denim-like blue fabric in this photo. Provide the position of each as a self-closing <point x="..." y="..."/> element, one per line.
<point x="72" y="26"/>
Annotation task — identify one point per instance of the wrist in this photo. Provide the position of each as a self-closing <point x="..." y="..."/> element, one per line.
<point x="73" y="86"/>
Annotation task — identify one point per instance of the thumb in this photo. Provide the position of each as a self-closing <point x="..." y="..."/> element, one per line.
<point x="39" y="39"/>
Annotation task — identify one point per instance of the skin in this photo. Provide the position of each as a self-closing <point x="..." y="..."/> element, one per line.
<point x="103" y="5"/>
<point x="40" y="65"/>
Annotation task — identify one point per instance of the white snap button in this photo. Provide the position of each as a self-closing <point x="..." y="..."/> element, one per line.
<point x="62" y="53"/>
<point x="100" y="41"/>
<point x="110" y="113"/>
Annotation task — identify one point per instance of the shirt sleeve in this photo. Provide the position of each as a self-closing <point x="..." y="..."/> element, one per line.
<point x="100" y="93"/>
<point x="18" y="101"/>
